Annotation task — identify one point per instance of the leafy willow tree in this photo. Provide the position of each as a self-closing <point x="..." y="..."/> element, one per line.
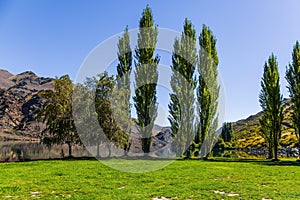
<point x="56" y="113"/>
<point x="146" y="76"/>
<point x="183" y="81"/>
<point x="121" y="99"/>
<point x="85" y="115"/>
<point x="207" y="91"/>
<point x="293" y="79"/>
<point x="271" y="102"/>
<point x="103" y="106"/>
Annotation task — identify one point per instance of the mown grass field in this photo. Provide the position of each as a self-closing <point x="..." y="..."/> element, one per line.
<point x="186" y="179"/>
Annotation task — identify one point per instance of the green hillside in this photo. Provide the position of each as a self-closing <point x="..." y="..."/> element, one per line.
<point x="246" y="131"/>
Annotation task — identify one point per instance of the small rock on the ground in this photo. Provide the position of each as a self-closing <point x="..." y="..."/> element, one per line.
<point x="35" y="193"/>
<point x="219" y="192"/>
<point x="232" y="195"/>
<point x="161" y="198"/>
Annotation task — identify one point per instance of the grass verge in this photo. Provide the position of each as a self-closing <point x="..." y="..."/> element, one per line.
<point x="185" y="179"/>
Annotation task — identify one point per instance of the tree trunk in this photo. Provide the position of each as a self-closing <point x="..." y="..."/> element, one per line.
<point x="98" y="151"/>
<point x="70" y="149"/>
<point x="299" y="150"/>
<point x="109" y="150"/>
<point x="188" y="152"/>
<point x="275" y="152"/>
<point x="276" y="136"/>
<point x="275" y="146"/>
<point x="126" y="149"/>
<point x="146" y="144"/>
<point x="270" y="150"/>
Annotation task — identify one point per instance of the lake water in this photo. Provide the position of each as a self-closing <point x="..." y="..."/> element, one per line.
<point x="19" y="150"/>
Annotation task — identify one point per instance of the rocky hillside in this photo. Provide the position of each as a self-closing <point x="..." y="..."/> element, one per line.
<point x="246" y="131"/>
<point x="18" y="100"/>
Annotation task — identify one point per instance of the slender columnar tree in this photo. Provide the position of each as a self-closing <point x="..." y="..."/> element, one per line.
<point x="146" y="76"/>
<point x="122" y="93"/>
<point x="181" y="106"/>
<point x="293" y="79"/>
<point x="125" y="61"/>
<point x="227" y="132"/>
<point x="270" y="100"/>
<point x="207" y="91"/>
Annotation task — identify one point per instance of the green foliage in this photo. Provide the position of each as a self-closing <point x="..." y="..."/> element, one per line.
<point x="208" y="89"/>
<point x="85" y="114"/>
<point x="181" y="106"/>
<point x="146" y="76"/>
<point x="105" y="111"/>
<point x="125" y="60"/>
<point x="95" y="111"/>
<point x="265" y="132"/>
<point x="271" y="102"/>
<point x="293" y="79"/>
<point x="56" y="113"/>
<point x="227" y="132"/>
<point x="121" y="99"/>
<point x="103" y="107"/>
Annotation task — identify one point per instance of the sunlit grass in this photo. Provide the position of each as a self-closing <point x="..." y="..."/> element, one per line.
<point x="186" y="179"/>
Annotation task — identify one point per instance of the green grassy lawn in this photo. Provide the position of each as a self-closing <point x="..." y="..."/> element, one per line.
<point x="188" y="179"/>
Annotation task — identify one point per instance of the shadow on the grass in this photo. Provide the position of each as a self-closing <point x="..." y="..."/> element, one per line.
<point x="72" y="158"/>
<point x="49" y="159"/>
<point x="267" y="162"/>
<point x="257" y="161"/>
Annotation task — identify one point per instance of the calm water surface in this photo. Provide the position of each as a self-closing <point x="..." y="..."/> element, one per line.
<point x="20" y="150"/>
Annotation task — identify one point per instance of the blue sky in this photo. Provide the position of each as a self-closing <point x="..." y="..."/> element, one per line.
<point x="53" y="37"/>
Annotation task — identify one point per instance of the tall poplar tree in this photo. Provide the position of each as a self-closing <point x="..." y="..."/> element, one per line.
<point x="121" y="99"/>
<point x="125" y="61"/>
<point x="146" y="77"/>
<point x="181" y="106"/>
<point x="227" y="132"/>
<point x="271" y="102"/>
<point x="293" y="79"/>
<point x="207" y="91"/>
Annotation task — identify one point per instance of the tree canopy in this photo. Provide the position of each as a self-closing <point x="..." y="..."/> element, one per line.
<point x="56" y="113"/>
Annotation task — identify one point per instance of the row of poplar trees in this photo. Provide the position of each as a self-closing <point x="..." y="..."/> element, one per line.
<point x="190" y="92"/>
<point x="271" y="99"/>
<point x="112" y="95"/>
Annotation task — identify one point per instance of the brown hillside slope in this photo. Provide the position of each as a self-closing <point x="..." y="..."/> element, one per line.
<point x="18" y="100"/>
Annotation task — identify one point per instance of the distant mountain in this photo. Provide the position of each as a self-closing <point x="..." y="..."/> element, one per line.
<point x="5" y="82"/>
<point x="18" y="100"/>
<point x="246" y="131"/>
